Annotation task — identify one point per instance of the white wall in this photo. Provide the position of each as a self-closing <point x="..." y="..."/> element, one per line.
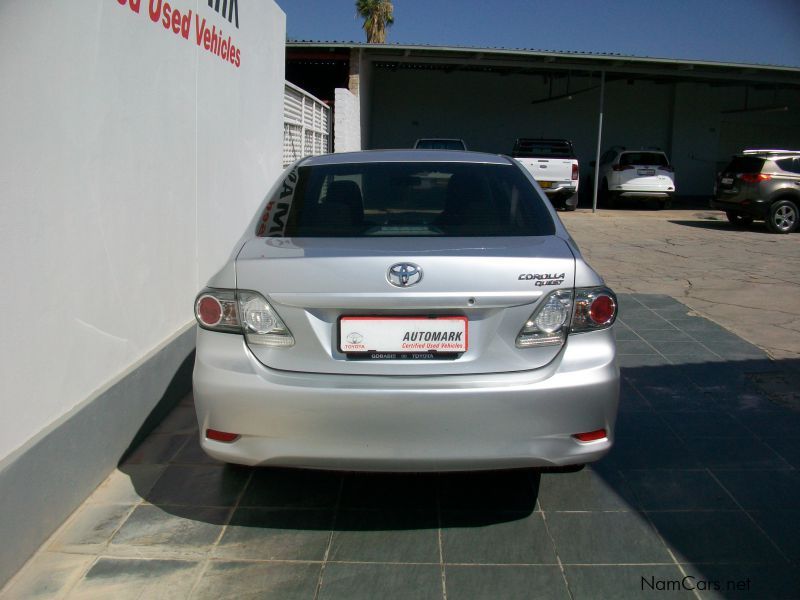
<point x="346" y="121"/>
<point x="131" y="160"/>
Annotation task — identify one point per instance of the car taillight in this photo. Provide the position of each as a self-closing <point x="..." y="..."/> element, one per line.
<point x="244" y="312"/>
<point x="622" y="167"/>
<point x="548" y="324"/>
<point x="565" y="311"/>
<point x="574" y="172"/>
<point x="216" y="310"/>
<point x="754" y="177"/>
<point x="595" y="308"/>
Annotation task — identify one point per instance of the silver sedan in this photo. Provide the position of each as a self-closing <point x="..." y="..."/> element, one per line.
<point x="406" y="311"/>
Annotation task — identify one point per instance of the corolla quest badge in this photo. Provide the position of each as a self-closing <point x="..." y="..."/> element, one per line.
<point x="404" y="274"/>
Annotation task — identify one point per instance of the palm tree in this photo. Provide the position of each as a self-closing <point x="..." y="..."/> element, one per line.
<point x="377" y="15"/>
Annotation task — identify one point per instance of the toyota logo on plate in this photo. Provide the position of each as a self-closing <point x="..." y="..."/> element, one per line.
<point x="404" y="274"/>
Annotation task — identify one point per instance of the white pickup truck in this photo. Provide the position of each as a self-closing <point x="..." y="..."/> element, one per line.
<point x="554" y="166"/>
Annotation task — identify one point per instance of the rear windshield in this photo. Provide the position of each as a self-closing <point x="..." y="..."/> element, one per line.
<point x="440" y="145"/>
<point x="650" y="159"/>
<point x="543" y="149"/>
<point x="745" y="164"/>
<point x="405" y="199"/>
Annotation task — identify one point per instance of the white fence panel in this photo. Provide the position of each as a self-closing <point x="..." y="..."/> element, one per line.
<point x="306" y="125"/>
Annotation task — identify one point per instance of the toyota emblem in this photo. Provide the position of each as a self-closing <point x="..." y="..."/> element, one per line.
<point x="404" y="274"/>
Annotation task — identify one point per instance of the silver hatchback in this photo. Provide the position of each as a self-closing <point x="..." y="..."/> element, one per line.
<point x="406" y="311"/>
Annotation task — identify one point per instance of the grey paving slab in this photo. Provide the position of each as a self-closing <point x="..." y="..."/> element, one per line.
<point x="735" y="453"/>
<point x="782" y="526"/>
<point x="293" y="488"/>
<point x="743" y="581"/>
<point x="597" y="491"/>
<point x="715" y="537"/>
<point x="47" y="575"/>
<point x="622" y="582"/>
<point x="127" y="485"/>
<point x="677" y="490"/>
<point x="656" y="450"/>
<point x="393" y="536"/>
<point x="636" y="361"/>
<point x="485" y="537"/>
<point x="388" y="581"/>
<point x="634" y="347"/>
<point x="193" y="485"/>
<point x="605" y="538"/>
<point x="766" y="490"/>
<point x="276" y="534"/>
<point x="257" y="580"/>
<point x="90" y="528"/>
<point x="501" y="581"/>
<point x="123" y="578"/>
<point x="705" y="424"/>
<point x="170" y="529"/>
<point x="622" y="332"/>
<point x="664" y="335"/>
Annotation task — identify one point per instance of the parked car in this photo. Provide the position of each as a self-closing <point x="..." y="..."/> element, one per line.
<point x="636" y="174"/>
<point x="761" y="184"/>
<point x="406" y="311"/>
<point x="554" y="166"/>
<point x="439" y="144"/>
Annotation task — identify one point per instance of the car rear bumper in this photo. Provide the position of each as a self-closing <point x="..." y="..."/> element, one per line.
<point x="561" y="190"/>
<point x="754" y="207"/>
<point x="405" y="423"/>
<point x="664" y="195"/>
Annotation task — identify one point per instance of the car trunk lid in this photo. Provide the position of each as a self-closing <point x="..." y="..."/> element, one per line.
<point x="318" y="285"/>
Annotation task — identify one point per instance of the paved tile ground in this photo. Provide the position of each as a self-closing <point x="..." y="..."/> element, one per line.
<point x="702" y="487"/>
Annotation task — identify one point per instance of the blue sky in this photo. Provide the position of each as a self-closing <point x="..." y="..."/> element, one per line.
<point x="748" y="31"/>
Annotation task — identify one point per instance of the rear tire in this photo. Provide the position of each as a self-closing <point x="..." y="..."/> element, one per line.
<point x="738" y="218"/>
<point x="783" y="217"/>
<point x="571" y="203"/>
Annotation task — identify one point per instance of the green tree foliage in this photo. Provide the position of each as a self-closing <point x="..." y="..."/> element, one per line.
<point x="378" y="15"/>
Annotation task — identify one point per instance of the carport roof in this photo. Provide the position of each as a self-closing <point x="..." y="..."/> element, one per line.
<point x="514" y="60"/>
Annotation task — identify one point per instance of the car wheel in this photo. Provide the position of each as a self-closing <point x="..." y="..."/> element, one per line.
<point x="665" y="204"/>
<point x="738" y="218"/>
<point x="571" y="203"/>
<point x="783" y="217"/>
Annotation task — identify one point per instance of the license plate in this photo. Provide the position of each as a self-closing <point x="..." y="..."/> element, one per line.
<point x="399" y="337"/>
<point x="545" y="184"/>
<point x="646" y="171"/>
<point x="727" y="181"/>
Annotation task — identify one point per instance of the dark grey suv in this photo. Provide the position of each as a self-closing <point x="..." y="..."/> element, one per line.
<point x="761" y="184"/>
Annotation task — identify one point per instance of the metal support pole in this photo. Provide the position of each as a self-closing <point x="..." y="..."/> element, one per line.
<point x="599" y="141"/>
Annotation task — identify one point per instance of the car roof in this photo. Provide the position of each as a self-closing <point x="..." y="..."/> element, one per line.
<point x="379" y="156"/>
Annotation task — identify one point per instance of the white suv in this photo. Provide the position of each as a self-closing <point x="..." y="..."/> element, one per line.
<point x="636" y="174"/>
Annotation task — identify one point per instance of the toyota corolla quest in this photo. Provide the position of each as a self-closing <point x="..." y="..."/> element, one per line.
<point x="406" y="311"/>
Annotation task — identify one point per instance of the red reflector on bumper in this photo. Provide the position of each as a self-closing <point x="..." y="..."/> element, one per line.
<point x="591" y="436"/>
<point x="221" y="436"/>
